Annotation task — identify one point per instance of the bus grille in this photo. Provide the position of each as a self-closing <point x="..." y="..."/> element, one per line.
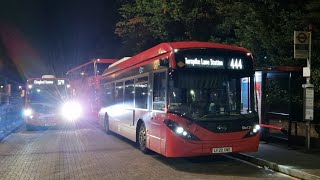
<point x="225" y="127"/>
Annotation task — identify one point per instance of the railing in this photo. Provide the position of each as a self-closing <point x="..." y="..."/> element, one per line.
<point x="10" y="114"/>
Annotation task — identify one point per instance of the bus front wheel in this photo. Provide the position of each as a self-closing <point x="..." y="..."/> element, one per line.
<point x="106" y="124"/>
<point x="142" y="139"/>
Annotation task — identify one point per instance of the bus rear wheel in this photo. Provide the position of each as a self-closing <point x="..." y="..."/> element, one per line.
<point x="106" y="125"/>
<point x="142" y="139"/>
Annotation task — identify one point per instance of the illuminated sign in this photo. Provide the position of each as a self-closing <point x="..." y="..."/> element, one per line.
<point x="204" y="62"/>
<point x="60" y="82"/>
<point x="236" y="63"/>
<point x="40" y="82"/>
<point x="141" y="85"/>
<point x="214" y="62"/>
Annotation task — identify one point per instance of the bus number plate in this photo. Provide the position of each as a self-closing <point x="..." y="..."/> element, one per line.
<point x="222" y="150"/>
<point x="50" y="124"/>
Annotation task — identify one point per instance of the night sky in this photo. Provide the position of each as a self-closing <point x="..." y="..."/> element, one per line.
<point x="50" y="37"/>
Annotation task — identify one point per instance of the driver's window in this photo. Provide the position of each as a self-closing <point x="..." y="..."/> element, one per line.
<point x="159" y="91"/>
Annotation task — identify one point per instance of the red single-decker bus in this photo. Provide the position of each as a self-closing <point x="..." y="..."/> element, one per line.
<point x="49" y="102"/>
<point x="183" y="99"/>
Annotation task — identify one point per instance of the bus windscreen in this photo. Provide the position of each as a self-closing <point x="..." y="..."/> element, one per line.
<point x="48" y="91"/>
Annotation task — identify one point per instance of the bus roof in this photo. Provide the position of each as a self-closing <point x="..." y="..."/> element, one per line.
<point x="47" y="78"/>
<point x="119" y="61"/>
<point x="92" y="62"/>
<point x="167" y="48"/>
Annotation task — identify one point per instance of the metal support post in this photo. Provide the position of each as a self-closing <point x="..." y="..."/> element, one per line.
<point x="308" y="135"/>
<point x="308" y="84"/>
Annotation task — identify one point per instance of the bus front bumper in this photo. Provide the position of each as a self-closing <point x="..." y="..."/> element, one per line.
<point x="178" y="147"/>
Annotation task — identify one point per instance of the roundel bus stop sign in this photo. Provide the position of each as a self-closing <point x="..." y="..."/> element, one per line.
<point x="301" y="44"/>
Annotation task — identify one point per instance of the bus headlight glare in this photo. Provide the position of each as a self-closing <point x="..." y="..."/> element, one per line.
<point x="254" y="131"/>
<point x="71" y="110"/>
<point x="184" y="133"/>
<point x="256" y="128"/>
<point x="179" y="130"/>
<point x="27" y="112"/>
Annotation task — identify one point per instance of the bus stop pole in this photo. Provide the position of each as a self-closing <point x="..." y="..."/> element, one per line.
<point x="290" y="109"/>
<point x="308" y="84"/>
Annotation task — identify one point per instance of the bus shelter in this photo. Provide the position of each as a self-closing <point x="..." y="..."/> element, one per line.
<point x="279" y="97"/>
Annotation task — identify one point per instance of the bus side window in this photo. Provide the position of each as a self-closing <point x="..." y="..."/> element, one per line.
<point x="159" y="91"/>
<point x="118" y="94"/>
<point x="141" y="93"/>
<point x="128" y="93"/>
<point x="108" y="94"/>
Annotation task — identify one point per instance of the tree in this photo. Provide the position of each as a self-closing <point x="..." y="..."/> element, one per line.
<point x="146" y="23"/>
<point x="265" y="27"/>
<point x="313" y="19"/>
<point x="267" y="32"/>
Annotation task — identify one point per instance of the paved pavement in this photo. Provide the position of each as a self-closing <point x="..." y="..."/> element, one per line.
<point x="86" y="152"/>
<point x="294" y="162"/>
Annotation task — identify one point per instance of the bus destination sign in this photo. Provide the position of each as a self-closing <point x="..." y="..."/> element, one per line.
<point x="210" y="63"/>
<point x="232" y="63"/>
<point x="48" y="82"/>
<point x="41" y="82"/>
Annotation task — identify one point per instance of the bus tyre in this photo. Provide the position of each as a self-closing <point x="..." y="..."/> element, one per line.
<point x="142" y="139"/>
<point x="106" y="125"/>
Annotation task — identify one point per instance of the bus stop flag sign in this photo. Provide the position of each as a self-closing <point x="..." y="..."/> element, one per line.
<point x="301" y="44"/>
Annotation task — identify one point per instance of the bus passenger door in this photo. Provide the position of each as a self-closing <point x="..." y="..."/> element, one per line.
<point x="128" y="112"/>
<point x="158" y="107"/>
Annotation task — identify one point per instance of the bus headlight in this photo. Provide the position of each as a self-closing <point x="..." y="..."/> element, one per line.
<point x="71" y="110"/>
<point x="256" y="128"/>
<point x="27" y="112"/>
<point x="179" y="130"/>
<point x="254" y="131"/>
